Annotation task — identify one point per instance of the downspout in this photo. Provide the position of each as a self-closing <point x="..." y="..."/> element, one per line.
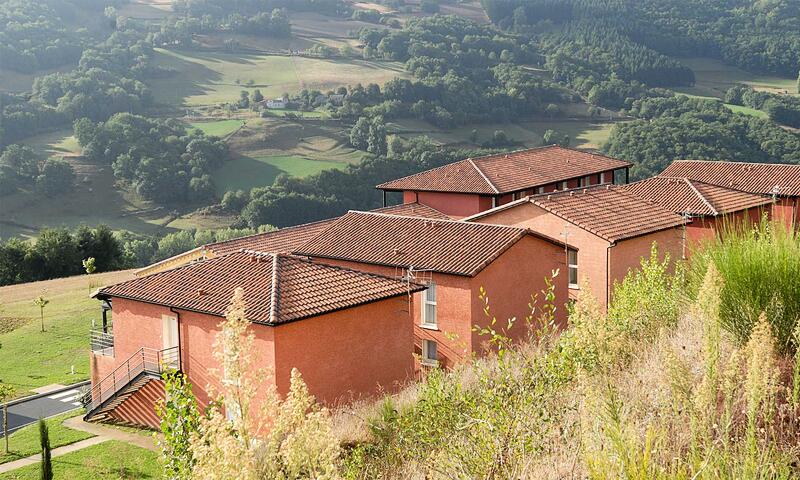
<point x="608" y="274"/>
<point x="384" y="197"/>
<point x="180" y="349"/>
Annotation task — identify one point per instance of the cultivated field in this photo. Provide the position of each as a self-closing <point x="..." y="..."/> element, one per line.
<point x="713" y="78"/>
<point x="582" y="133"/>
<point x="210" y="78"/>
<point x="32" y="358"/>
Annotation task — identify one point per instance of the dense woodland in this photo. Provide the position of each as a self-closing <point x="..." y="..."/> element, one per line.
<point x="533" y="59"/>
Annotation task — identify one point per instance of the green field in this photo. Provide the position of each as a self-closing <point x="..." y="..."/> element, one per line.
<point x="210" y="78"/>
<point x="107" y="460"/>
<point x="583" y="134"/>
<point x="713" y="78"/>
<point x="25" y="441"/>
<point x="747" y="111"/>
<point x="218" y="128"/>
<point x="246" y="172"/>
<point x="32" y="358"/>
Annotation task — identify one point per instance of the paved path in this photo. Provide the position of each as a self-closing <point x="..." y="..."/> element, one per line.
<point x="103" y="434"/>
<point x="30" y="411"/>
<point x="56" y="452"/>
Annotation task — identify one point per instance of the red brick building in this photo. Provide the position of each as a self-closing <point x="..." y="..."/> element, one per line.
<point x="608" y="229"/>
<point x="454" y="259"/>
<point x="320" y="319"/>
<point x="781" y="181"/>
<point x="474" y="185"/>
<point x="711" y="207"/>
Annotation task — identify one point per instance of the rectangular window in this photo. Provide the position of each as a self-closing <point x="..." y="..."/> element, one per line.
<point x="572" y="267"/>
<point x="562" y="185"/>
<point x="603" y="178"/>
<point x="586" y="181"/>
<point x="429" y="306"/>
<point x="430" y="353"/>
<point x="540" y="190"/>
<point x="494" y="202"/>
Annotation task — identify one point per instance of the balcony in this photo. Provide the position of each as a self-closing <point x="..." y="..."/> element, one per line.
<point x="102" y="342"/>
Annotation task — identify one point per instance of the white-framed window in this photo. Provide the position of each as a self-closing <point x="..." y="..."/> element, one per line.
<point x="517" y="195"/>
<point x="539" y="190"/>
<point x="494" y="202"/>
<point x="603" y="178"/>
<point x="430" y="353"/>
<point x="562" y="185"/>
<point x="429" y="307"/>
<point x="572" y="267"/>
<point x="586" y="181"/>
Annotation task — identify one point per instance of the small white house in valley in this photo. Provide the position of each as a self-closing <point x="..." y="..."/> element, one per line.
<point x="276" y="103"/>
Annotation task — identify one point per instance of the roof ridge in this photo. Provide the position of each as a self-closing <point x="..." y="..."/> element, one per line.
<point x="274" y="297"/>
<point x="447" y="220"/>
<point x="483" y="175"/>
<point x="701" y="196"/>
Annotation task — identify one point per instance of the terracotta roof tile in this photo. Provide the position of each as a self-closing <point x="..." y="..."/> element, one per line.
<point x="302" y="288"/>
<point x="444" y="246"/>
<point x="291" y="238"/>
<point x="761" y="178"/>
<point x="608" y="211"/>
<point x="682" y="195"/>
<point x="508" y="172"/>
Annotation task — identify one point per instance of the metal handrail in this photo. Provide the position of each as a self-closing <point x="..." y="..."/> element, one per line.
<point x="145" y="360"/>
<point x="102" y="342"/>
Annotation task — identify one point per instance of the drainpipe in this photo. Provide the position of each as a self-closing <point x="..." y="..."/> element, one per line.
<point x="608" y="274"/>
<point x="180" y="349"/>
<point x="384" y="197"/>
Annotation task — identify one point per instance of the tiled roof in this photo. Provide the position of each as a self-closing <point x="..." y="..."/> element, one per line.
<point x="277" y="241"/>
<point x="682" y="195"/>
<point x="291" y="238"/>
<point x="444" y="246"/>
<point x="608" y="211"/>
<point x="508" y="172"/>
<point x="759" y="178"/>
<point x="300" y="288"/>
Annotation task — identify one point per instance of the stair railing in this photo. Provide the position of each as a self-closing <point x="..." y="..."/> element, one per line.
<point x="145" y="360"/>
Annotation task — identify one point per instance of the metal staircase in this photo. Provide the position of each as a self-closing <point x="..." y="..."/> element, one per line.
<point x="128" y="378"/>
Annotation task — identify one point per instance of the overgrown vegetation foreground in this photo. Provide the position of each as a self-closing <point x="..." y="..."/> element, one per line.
<point x="690" y="374"/>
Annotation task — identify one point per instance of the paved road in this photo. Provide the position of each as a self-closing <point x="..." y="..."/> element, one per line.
<point x="30" y="411"/>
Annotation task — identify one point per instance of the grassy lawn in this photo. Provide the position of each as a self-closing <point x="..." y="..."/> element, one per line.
<point x="583" y="134"/>
<point x="32" y="358"/>
<point x="209" y="78"/>
<point x="246" y="172"/>
<point x="713" y="78"/>
<point x="59" y="142"/>
<point x="746" y="110"/>
<point x="107" y="460"/>
<point x="25" y="441"/>
<point x="280" y="113"/>
<point x="218" y="128"/>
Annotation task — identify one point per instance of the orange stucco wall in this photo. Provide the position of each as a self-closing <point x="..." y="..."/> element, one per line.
<point x="599" y="262"/>
<point x="338" y="353"/>
<point x="350" y="353"/>
<point x="788" y="211"/>
<point x="703" y="229"/>
<point x="454" y="204"/>
<point x="509" y="282"/>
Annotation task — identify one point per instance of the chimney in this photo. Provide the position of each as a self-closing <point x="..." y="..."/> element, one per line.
<point x="201" y="292"/>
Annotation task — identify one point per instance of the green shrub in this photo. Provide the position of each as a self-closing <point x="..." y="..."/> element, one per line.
<point x="760" y="267"/>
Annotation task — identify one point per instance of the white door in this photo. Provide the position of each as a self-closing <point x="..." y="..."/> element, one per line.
<point x="169" y="337"/>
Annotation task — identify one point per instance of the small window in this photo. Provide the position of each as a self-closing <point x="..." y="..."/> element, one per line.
<point x="429" y="306"/>
<point x="603" y="178"/>
<point x="572" y="267"/>
<point x="539" y="190"/>
<point x="516" y="195"/>
<point x="586" y="181"/>
<point x="562" y="185"/>
<point x="494" y="202"/>
<point x="430" y="353"/>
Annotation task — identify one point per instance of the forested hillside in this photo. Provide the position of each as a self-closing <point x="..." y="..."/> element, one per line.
<point x="160" y="106"/>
